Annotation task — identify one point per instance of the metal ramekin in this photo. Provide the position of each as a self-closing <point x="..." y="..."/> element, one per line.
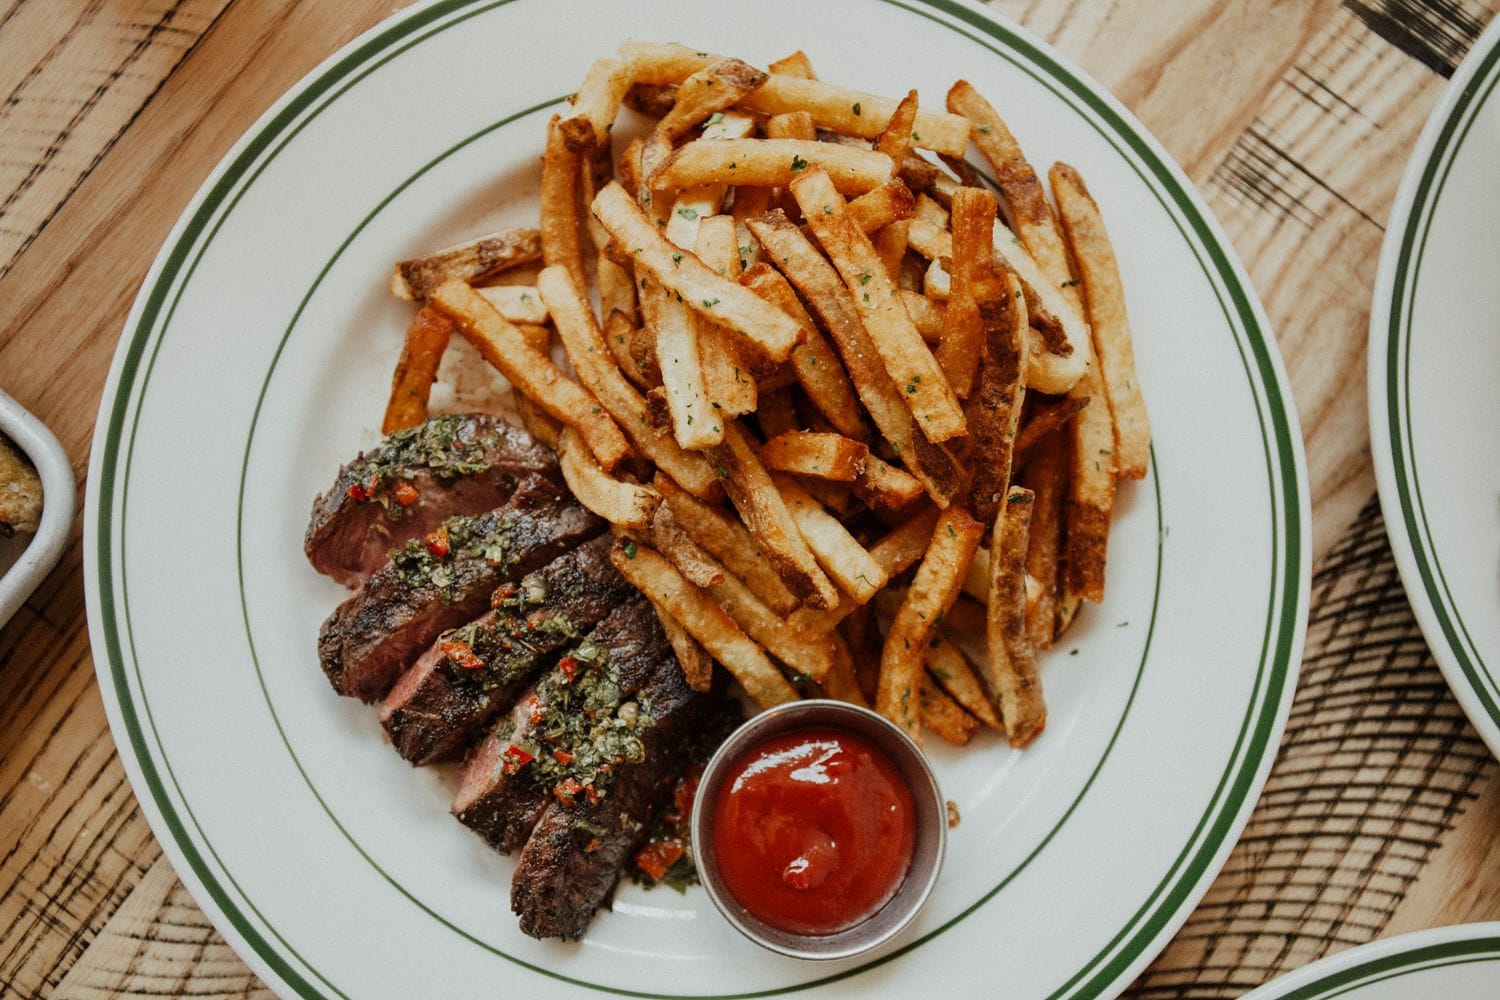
<point x="931" y="823"/>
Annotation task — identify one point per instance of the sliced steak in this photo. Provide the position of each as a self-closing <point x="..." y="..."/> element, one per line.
<point x="427" y="588"/>
<point x="578" y="850"/>
<point x="413" y="481"/>
<point x="471" y="674"/>
<point x="512" y="774"/>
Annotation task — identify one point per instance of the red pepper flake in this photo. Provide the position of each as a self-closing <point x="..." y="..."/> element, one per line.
<point x="656" y="857"/>
<point x="405" y="493"/>
<point x="591" y="793"/>
<point x="515" y="759"/>
<point x="358" y="492"/>
<point x="462" y="654"/>
<point x="562" y="757"/>
<point x="567" y="791"/>
<point x="437" y="542"/>
<point x="568" y="667"/>
<point x="592" y="846"/>
<point x="534" y="711"/>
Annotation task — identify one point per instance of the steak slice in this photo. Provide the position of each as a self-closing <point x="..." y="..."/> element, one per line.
<point x="413" y="481"/>
<point x="512" y="774"/>
<point x="578" y="850"/>
<point x="441" y="702"/>
<point x="423" y="590"/>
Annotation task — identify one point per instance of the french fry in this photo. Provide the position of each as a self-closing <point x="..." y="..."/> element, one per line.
<point x="534" y="374"/>
<point x="536" y="421"/>
<point x="721" y="300"/>
<point x="792" y="125"/>
<point x="842" y="680"/>
<point x="932" y="591"/>
<point x="680" y="550"/>
<point x="1011" y="665"/>
<point x="814" y="362"/>
<point x="620" y="338"/>
<point x="930" y="212"/>
<point x="561" y="171"/>
<point x="810" y="659"/>
<point x="1046" y="475"/>
<point x="841" y="556"/>
<point x="593" y="361"/>
<point x="973" y="255"/>
<point x="714" y="88"/>
<point x="885" y="486"/>
<point x="820" y="455"/>
<point x="965" y="617"/>
<point x="616" y="282"/>
<point x="765" y="514"/>
<point x="416" y="370"/>
<point x="777" y="413"/>
<point x="955" y="674"/>
<point x="730" y="542"/>
<point x="977" y="580"/>
<point x="675" y="330"/>
<point x="597" y="100"/>
<point x="849" y="112"/>
<point x="878" y="208"/>
<point x="797" y="64"/>
<point x="627" y="504"/>
<point x="771" y="163"/>
<point x="697" y="665"/>
<point x="471" y="261"/>
<point x="942" y="714"/>
<point x="819" y="283"/>
<point x="517" y="303"/>
<point x="1044" y="419"/>
<point x="651" y="100"/>
<point x="890" y="247"/>
<point x="907" y="359"/>
<point x="926" y="315"/>
<point x="727" y="381"/>
<point x="704" y="620"/>
<point x="895" y="139"/>
<point x="995" y="408"/>
<point x="1091" y="494"/>
<point x="1104" y="299"/>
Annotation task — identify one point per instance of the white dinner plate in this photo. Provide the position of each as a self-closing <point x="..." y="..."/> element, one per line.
<point x="1435" y="384"/>
<point x="258" y="357"/>
<point x="1454" y="963"/>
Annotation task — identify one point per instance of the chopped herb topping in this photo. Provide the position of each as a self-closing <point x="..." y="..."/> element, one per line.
<point x="864" y="279"/>
<point x="688" y="212"/>
<point x="856" y="109"/>
<point x="798" y="164"/>
<point x="715" y="118"/>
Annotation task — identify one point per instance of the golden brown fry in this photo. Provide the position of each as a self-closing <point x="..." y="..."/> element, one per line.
<point x="421" y="353"/>
<point x="821" y="455"/>
<point x="797" y="64"/>
<point x="1104" y="298"/>
<point x="700" y="288"/>
<point x="925" y="314"/>
<point x="593" y="361"/>
<point x="973" y="257"/>
<point x="995" y="409"/>
<point x="932" y="591"/>
<point x="598" y="98"/>
<point x="966" y="617"/>
<point x="842" y="680"/>
<point x="504" y="347"/>
<point x="839" y="109"/>
<point x="1046" y="474"/>
<point x="629" y="505"/>
<point x="895" y="553"/>
<point x="727" y="381"/>
<point x="895" y="139"/>
<point x="771" y="163"/>
<point x="675" y="333"/>
<point x="533" y="417"/>
<point x="697" y="665"/>
<point x="811" y="659"/>
<point x="930" y="212"/>
<point x="816" y="279"/>
<point x="955" y="674"/>
<point x="813" y="361"/>
<point x="704" y="620"/>
<point x="1011" y="666"/>
<point x="714" y="88"/>
<point x="471" y="261"/>
<point x="650" y="99"/>
<point x="792" y="125"/>
<point x="616" y="282"/>
<point x="681" y="551"/>
<point x="728" y="541"/>
<point x="942" y="714"/>
<point x="862" y="635"/>
<point x="765" y="513"/>
<point x="620" y="337"/>
<point x="841" y="556"/>
<point x="876" y="209"/>
<point x="777" y="413"/>
<point x="907" y="359"/>
<point x="885" y="486"/>
<point x="1091" y="494"/>
<point x="561" y="171"/>
<point x="1044" y="419"/>
<point x="517" y="303"/>
<point x="890" y="247"/>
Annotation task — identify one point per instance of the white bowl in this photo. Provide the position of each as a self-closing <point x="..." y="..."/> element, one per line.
<point x="20" y="573"/>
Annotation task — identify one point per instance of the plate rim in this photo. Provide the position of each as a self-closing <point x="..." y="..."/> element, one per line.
<point x="1385" y="958"/>
<point x="1289" y="513"/>
<point x="1390" y="331"/>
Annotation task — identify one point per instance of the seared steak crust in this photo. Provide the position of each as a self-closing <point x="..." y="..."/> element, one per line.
<point x="414" y="480"/>
<point x="437" y="705"/>
<point x="374" y="635"/>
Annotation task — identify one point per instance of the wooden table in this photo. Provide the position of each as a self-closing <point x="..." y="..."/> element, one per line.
<point x="1294" y="118"/>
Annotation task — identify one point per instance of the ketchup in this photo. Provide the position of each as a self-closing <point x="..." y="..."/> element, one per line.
<point x="813" y="830"/>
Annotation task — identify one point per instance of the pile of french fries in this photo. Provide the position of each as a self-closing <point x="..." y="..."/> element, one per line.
<point x="856" y="418"/>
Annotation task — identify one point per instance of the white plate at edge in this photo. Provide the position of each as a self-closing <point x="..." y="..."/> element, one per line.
<point x="1434" y="357"/>
<point x="257" y="358"/>
<point x="1456" y="963"/>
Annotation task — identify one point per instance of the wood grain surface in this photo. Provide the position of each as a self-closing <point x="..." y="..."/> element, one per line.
<point x="1294" y="118"/>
